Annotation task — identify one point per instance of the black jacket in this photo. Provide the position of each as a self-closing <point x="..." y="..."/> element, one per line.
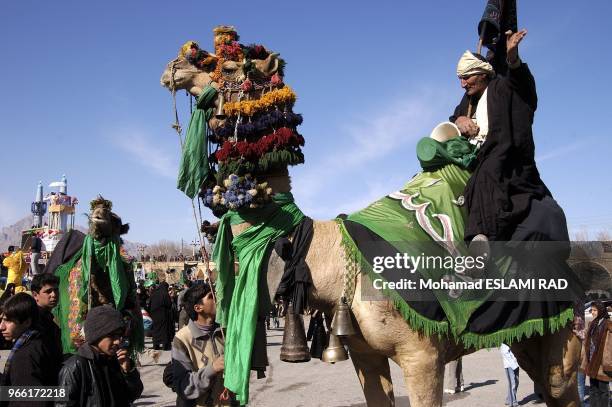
<point x="52" y="333"/>
<point x="506" y="179"/>
<point x="94" y="380"/>
<point x="32" y="365"/>
<point x="161" y="314"/>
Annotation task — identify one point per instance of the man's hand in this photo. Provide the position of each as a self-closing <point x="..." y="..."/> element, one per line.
<point x="512" y="42"/>
<point x="218" y="364"/>
<point x="124" y="360"/>
<point x="467" y="126"/>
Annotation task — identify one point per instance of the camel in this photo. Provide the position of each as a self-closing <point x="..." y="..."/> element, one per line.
<point x="550" y="360"/>
<point x="67" y="262"/>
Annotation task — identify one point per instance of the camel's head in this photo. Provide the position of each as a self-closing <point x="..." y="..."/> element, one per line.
<point x="182" y="74"/>
<point x="194" y="67"/>
<point x="103" y="223"/>
<point x="253" y="124"/>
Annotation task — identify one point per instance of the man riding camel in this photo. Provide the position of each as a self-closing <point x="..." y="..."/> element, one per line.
<point x="506" y="198"/>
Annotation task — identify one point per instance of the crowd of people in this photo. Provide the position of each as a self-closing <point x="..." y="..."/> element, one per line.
<point x="101" y="373"/>
<point x="596" y="362"/>
<point x="164" y="257"/>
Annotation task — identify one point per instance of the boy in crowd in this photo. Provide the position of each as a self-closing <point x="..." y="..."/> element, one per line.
<point x="31" y="361"/>
<point x="197" y="352"/>
<point x="45" y="290"/>
<point x="101" y="373"/>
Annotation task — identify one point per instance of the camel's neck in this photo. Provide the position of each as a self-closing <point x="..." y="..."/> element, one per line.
<point x="279" y="182"/>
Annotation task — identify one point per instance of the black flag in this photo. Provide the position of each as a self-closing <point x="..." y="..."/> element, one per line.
<point x="499" y="16"/>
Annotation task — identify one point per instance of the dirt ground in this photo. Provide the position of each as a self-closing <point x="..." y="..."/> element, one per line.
<point x="316" y="383"/>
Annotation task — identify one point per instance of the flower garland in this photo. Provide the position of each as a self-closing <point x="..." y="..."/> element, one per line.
<point x="238" y="192"/>
<point x="225" y="37"/>
<point x="283" y="96"/>
<point x="281" y="138"/>
<point x="192" y="52"/>
<point x="256" y="125"/>
<point x="253" y="51"/>
<point x="231" y="51"/>
<point x="272" y="161"/>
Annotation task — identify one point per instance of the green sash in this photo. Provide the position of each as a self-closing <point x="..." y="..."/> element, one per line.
<point x="238" y="294"/>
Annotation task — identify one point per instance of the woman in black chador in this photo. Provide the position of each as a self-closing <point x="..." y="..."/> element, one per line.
<point x="161" y="314"/>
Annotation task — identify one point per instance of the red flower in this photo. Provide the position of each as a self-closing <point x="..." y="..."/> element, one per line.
<point x="247" y="85"/>
<point x="276" y="79"/>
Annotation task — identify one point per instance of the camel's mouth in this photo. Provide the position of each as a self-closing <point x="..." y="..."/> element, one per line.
<point x="97" y="219"/>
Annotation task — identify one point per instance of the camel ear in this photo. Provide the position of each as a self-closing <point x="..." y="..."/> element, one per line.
<point x="124" y="229"/>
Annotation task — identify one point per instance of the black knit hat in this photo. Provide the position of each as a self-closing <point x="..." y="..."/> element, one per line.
<point x="100" y="322"/>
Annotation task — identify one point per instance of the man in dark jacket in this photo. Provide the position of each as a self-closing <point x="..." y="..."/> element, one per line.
<point x="31" y="362"/>
<point x="101" y="373"/>
<point x="45" y="290"/>
<point x="505" y="197"/>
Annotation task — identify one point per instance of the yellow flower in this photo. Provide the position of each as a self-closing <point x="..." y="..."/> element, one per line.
<point x="250" y="107"/>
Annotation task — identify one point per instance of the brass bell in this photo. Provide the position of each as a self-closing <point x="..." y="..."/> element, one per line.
<point x="295" y="348"/>
<point x="342" y="325"/>
<point x="220" y="113"/>
<point x="335" y="352"/>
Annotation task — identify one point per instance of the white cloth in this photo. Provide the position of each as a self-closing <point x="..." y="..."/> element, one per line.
<point x="481" y="118"/>
<point x="508" y="357"/>
<point x="470" y="65"/>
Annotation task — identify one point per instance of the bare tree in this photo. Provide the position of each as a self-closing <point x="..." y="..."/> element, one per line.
<point x="165" y="248"/>
<point x="581" y="235"/>
<point x="603" y="236"/>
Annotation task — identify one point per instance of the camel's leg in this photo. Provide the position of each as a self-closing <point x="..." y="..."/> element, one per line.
<point x="552" y="361"/>
<point x="423" y="369"/>
<point x="375" y="378"/>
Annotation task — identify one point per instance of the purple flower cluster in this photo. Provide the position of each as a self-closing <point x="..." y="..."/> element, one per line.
<point x="237" y="195"/>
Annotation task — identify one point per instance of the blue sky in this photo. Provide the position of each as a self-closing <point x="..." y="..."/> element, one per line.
<point x="81" y="97"/>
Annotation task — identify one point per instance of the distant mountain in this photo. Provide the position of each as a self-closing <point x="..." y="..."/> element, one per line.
<point x="11" y="235"/>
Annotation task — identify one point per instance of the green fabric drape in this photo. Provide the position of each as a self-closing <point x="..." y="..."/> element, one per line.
<point x="62" y="309"/>
<point x="193" y="168"/>
<point x="238" y="295"/>
<point x="108" y="257"/>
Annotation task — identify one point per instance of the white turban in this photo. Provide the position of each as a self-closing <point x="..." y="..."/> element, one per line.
<point x="470" y="65"/>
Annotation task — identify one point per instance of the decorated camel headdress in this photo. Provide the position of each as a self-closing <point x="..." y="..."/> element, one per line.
<point x="251" y="129"/>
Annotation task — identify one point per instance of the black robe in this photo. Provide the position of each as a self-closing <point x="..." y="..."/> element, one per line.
<point x="161" y="314"/>
<point x="506" y="179"/>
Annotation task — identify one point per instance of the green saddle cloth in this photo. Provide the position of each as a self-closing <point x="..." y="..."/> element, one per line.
<point x="427" y="217"/>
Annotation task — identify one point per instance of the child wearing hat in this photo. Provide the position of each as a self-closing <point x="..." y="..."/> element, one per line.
<point x="102" y="372"/>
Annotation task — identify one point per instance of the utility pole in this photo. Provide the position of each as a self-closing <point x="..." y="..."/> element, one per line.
<point x="194" y="243"/>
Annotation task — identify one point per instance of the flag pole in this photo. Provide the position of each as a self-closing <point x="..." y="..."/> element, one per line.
<point x="478" y="50"/>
